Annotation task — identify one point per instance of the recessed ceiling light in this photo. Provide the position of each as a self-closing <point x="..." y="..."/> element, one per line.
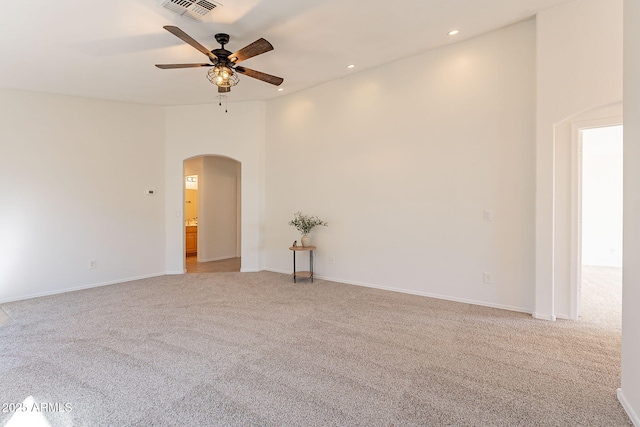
<point x="280" y="89"/>
<point x="453" y="32"/>
<point x="351" y="66"/>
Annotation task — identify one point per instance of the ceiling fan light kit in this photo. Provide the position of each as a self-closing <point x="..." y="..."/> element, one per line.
<point x="222" y="76"/>
<point x="224" y="73"/>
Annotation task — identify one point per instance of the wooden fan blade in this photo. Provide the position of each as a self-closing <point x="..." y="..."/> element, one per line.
<point x="256" y="48"/>
<point x="277" y="81"/>
<point x="189" y="40"/>
<point x="170" y="66"/>
<point x="224" y="89"/>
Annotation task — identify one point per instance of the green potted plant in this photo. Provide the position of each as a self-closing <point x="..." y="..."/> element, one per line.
<point x="304" y="223"/>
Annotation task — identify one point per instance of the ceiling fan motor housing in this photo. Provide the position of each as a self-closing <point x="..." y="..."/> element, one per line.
<point x="222" y="38"/>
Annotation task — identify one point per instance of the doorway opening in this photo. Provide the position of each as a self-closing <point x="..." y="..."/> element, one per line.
<point x="212" y="208"/>
<point x="600" y="225"/>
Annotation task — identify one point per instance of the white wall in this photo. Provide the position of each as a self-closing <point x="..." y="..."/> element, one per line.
<point x="218" y="228"/>
<point x="73" y="175"/>
<point x="602" y="196"/>
<point x="404" y="168"/>
<point x="207" y="130"/>
<point x="629" y="394"/>
<point x="579" y="68"/>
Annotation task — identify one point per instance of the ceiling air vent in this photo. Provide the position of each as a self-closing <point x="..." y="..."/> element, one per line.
<point x="194" y="9"/>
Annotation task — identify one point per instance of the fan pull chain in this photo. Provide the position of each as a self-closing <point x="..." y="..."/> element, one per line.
<point x="223" y="98"/>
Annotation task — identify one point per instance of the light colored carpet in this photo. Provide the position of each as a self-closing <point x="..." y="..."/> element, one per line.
<point x="245" y="349"/>
<point x="602" y="296"/>
<point x="3" y="317"/>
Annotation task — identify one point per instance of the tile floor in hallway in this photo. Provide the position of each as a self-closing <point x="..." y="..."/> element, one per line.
<point x="221" y="266"/>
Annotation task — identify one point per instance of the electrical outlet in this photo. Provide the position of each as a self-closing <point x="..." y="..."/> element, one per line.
<point x="488" y="216"/>
<point x="486" y="277"/>
<point x="93" y="264"/>
<point x="332" y="260"/>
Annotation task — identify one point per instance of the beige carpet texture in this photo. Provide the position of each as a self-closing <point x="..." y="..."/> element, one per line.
<point x="255" y="349"/>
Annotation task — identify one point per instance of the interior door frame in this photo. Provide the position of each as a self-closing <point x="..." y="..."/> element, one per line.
<point x="576" y="206"/>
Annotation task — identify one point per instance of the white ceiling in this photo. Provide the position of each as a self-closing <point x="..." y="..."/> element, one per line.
<point x="107" y="49"/>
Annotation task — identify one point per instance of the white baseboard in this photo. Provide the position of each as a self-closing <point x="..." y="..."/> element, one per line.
<point x="79" y="288"/>
<point x="412" y="292"/>
<point x="628" y="409"/>
<point x="564" y="316"/>
<point x="548" y="317"/>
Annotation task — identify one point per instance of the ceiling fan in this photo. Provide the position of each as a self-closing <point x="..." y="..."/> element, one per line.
<point x="224" y="63"/>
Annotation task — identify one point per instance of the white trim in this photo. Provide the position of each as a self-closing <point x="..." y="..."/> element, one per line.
<point x="412" y="292"/>
<point x="549" y="317"/>
<point x="628" y="409"/>
<point x="79" y="288"/>
<point x="598" y="123"/>
<point x="575" y="247"/>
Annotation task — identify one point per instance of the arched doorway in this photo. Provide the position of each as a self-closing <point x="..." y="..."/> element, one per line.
<point x="212" y="227"/>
